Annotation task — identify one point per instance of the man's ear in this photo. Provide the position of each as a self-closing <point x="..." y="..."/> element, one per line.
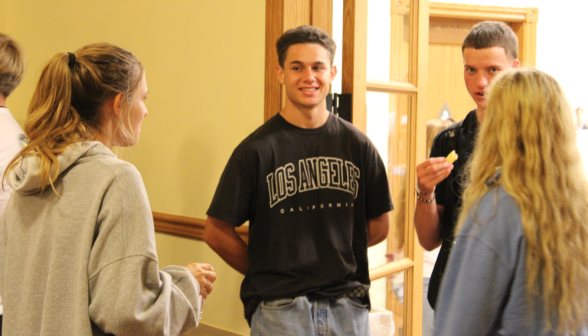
<point x="333" y="72"/>
<point x="280" y="74"/>
<point x="116" y="104"/>
<point x="516" y="64"/>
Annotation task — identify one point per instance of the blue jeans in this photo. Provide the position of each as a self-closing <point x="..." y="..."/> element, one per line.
<point x="301" y="316"/>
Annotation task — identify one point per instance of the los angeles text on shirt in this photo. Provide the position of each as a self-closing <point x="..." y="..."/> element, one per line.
<point x="313" y="173"/>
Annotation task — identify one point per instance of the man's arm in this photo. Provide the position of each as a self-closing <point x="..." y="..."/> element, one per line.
<point x="223" y="239"/>
<point x="378" y="229"/>
<point x="427" y="216"/>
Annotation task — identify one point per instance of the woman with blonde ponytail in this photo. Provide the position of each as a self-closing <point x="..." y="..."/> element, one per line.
<point x="77" y="247"/>
<point x="519" y="265"/>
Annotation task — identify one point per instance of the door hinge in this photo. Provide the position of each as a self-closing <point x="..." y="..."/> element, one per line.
<point x="340" y="105"/>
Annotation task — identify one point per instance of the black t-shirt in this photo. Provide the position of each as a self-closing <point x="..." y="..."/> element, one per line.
<point x="307" y="194"/>
<point x="448" y="192"/>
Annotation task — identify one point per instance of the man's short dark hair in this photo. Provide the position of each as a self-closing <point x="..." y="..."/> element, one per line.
<point x="305" y="34"/>
<point x="488" y="34"/>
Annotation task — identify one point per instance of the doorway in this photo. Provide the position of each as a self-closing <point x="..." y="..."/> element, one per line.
<point x="448" y="26"/>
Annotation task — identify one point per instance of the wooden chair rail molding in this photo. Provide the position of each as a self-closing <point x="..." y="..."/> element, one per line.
<point x="193" y="228"/>
<point x="187" y="227"/>
<point x="390" y="268"/>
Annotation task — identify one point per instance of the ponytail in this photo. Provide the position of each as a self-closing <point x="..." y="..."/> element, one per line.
<point x="67" y="103"/>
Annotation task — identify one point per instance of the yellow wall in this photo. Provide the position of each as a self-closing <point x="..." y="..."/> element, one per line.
<point x="3" y="7"/>
<point x="205" y="70"/>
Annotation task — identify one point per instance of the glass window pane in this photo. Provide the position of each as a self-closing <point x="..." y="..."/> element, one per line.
<point x="388" y="44"/>
<point x="387" y="296"/>
<point x="387" y="127"/>
<point x="338" y="37"/>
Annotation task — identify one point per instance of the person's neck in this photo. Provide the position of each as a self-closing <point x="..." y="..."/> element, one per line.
<point x="305" y="118"/>
<point x="106" y="141"/>
<point x="2" y="100"/>
<point x="105" y="134"/>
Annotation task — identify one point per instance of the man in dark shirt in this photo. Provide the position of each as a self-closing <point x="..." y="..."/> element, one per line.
<point x="315" y="192"/>
<point x="489" y="47"/>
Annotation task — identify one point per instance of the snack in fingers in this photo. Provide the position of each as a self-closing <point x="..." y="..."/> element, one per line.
<point x="452" y="157"/>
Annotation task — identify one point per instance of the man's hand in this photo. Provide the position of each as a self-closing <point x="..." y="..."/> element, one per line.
<point x="205" y="275"/>
<point x="427" y="214"/>
<point x="431" y="172"/>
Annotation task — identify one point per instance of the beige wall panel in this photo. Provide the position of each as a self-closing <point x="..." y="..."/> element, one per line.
<point x="205" y="69"/>
<point x="446" y="82"/>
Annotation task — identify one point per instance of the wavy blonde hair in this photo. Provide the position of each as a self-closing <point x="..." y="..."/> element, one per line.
<point x="68" y="101"/>
<point x="529" y="132"/>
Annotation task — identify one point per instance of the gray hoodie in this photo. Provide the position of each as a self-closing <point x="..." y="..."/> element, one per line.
<point x="82" y="261"/>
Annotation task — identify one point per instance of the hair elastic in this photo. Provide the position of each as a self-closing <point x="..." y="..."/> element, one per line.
<point x="72" y="60"/>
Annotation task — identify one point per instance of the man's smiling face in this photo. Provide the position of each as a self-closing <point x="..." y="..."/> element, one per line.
<point x="307" y="75"/>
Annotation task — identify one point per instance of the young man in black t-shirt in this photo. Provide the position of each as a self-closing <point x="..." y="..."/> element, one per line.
<point x="489" y="47"/>
<point x="315" y="192"/>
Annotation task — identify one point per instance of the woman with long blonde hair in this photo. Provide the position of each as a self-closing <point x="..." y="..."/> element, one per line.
<point x="77" y="246"/>
<point x="519" y="265"/>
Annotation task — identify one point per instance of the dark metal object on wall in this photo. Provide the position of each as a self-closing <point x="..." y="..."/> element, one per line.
<point x="340" y="105"/>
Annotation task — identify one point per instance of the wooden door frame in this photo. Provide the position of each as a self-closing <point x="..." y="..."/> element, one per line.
<point x="280" y="16"/>
<point x="416" y="87"/>
<point x="522" y="20"/>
